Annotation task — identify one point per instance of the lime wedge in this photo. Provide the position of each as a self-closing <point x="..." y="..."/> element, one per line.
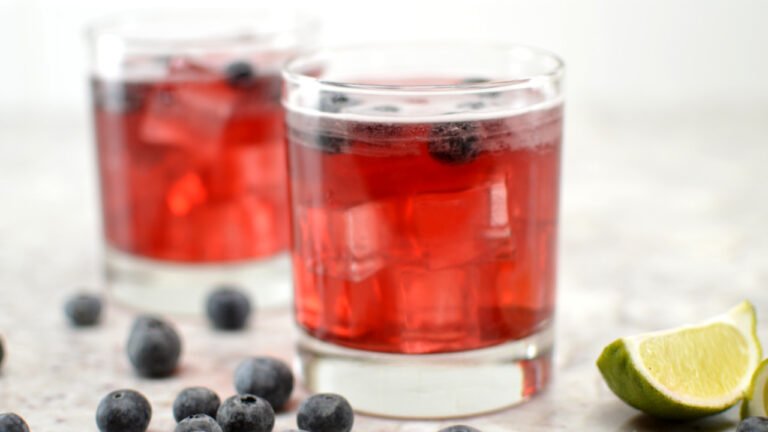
<point x="687" y="372"/>
<point x="757" y="394"/>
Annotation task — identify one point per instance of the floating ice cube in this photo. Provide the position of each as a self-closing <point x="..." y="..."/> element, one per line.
<point x="349" y="243"/>
<point x="454" y="228"/>
<point x="192" y="111"/>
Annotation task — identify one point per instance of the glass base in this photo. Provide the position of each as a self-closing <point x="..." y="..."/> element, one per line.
<point x="162" y="287"/>
<point x="433" y="386"/>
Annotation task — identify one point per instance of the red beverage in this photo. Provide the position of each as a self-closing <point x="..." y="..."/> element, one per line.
<point x="193" y="164"/>
<point x="425" y="236"/>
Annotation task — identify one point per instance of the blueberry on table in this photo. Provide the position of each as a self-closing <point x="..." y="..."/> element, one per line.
<point x="753" y="424"/>
<point x="325" y="412"/>
<point x="228" y="308"/>
<point x="454" y="142"/>
<point x="123" y="411"/>
<point x="195" y="400"/>
<point x="10" y="422"/>
<point x="268" y="378"/>
<point x="198" y="423"/>
<point x="246" y="413"/>
<point x="239" y="73"/>
<point x="459" y="428"/>
<point x="153" y="347"/>
<point x="83" y="310"/>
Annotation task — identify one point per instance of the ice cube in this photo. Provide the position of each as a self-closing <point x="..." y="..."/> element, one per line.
<point x="189" y="112"/>
<point x="349" y="243"/>
<point x="455" y="228"/>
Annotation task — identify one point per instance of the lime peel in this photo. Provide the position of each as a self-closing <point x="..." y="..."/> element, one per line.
<point x="754" y="403"/>
<point x="686" y="382"/>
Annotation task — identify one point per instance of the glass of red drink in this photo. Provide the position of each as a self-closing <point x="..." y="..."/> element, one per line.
<point x="424" y="187"/>
<point x="191" y="153"/>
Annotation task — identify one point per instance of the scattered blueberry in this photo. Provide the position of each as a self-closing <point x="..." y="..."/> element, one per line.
<point x="267" y="378"/>
<point x="386" y="108"/>
<point x="246" y="413"/>
<point x="83" y="310"/>
<point x="333" y="102"/>
<point x="10" y="422"/>
<point x="753" y="424"/>
<point x="454" y="143"/>
<point x="239" y="73"/>
<point x="198" y="423"/>
<point x="119" y="97"/>
<point x="153" y="347"/>
<point x="459" y="428"/>
<point x="325" y="412"/>
<point x="123" y="411"/>
<point x="228" y="308"/>
<point x="195" y="400"/>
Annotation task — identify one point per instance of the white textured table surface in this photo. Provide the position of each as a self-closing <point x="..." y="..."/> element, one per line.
<point x="663" y="222"/>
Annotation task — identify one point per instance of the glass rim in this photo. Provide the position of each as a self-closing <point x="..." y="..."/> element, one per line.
<point x="292" y="70"/>
<point x="258" y="26"/>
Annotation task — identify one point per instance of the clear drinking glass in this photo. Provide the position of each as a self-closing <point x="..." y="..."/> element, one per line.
<point x="191" y="153"/>
<point x="424" y="187"/>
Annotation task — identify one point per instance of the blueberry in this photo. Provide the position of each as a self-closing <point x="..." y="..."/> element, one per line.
<point x="239" y="73"/>
<point x="198" y="423"/>
<point x="246" y="413"/>
<point x="195" y="400"/>
<point x="325" y="412"/>
<point x="123" y="411"/>
<point x="119" y="97"/>
<point x="153" y="347"/>
<point x="83" y="310"/>
<point x="459" y="428"/>
<point x="10" y="422"/>
<point x="267" y="378"/>
<point x="330" y="143"/>
<point x="2" y="351"/>
<point x="454" y="143"/>
<point x="753" y="424"/>
<point x="333" y="102"/>
<point x="228" y="308"/>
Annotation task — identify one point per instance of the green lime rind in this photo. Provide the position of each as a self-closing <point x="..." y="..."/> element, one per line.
<point x="621" y="373"/>
<point x="754" y="402"/>
<point x="633" y="388"/>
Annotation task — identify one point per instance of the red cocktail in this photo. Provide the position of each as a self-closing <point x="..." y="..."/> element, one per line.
<point x="191" y="151"/>
<point x="424" y="232"/>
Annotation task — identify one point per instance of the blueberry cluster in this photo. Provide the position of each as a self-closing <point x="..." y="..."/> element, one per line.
<point x="198" y="409"/>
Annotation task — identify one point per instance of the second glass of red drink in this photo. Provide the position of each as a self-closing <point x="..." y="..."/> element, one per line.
<point x="191" y="152"/>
